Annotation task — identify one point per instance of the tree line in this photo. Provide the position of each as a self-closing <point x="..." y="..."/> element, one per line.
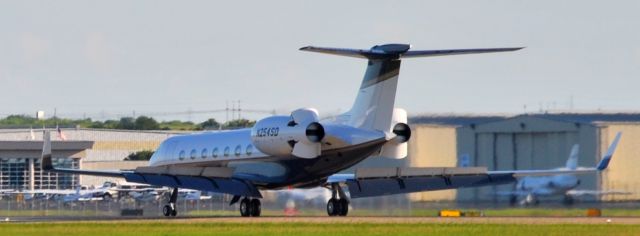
<point x="126" y="123"/>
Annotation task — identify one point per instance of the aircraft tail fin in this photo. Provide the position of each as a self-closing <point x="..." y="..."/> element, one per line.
<point x="572" y="162"/>
<point x="374" y="104"/>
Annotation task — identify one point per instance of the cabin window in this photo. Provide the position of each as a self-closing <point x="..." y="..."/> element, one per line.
<point x="204" y="153"/>
<point x="181" y="155"/>
<point x="193" y="154"/>
<point x="227" y="150"/>
<point x="214" y="153"/>
<point x="238" y="150"/>
<point x="249" y="150"/>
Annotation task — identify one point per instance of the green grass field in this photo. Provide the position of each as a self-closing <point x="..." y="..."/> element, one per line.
<point x="527" y="212"/>
<point x="138" y="228"/>
<point x="537" y="212"/>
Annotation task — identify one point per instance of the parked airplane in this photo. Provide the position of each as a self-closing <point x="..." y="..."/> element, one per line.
<point x="141" y="192"/>
<point x="190" y="194"/>
<point x="300" y="151"/>
<point x="300" y="197"/>
<point x="82" y="193"/>
<point x="5" y="192"/>
<point x="531" y="188"/>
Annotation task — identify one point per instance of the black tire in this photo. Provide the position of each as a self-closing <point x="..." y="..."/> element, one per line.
<point x="513" y="200"/>
<point x="166" y="210"/>
<point x="344" y="207"/>
<point x="107" y="197"/>
<point x="568" y="201"/>
<point x="256" y="208"/>
<point x="245" y="207"/>
<point x="332" y="207"/>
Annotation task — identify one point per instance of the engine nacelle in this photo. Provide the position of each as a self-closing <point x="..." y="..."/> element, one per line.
<point x="299" y="134"/>
<point x="400" y="132"/>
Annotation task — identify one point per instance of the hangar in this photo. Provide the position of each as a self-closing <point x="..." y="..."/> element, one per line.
<point x="20" y="164"/>
<point x="530" y="141"/>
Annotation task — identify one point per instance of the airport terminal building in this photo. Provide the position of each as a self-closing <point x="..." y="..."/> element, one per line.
<point x="530" y="141"/>
<point x="20" y="151"/>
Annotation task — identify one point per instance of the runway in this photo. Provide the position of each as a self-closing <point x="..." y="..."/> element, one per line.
<point x="350" y="220"/>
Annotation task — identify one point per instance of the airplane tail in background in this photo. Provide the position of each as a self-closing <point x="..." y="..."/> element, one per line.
<point x="572" y="162"/>
<point x="374" y="104"/>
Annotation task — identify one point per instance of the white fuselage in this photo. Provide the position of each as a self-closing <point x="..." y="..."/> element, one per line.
<point x="548" y="185"/>
<point x="209" y="148"/>
<point x="237" y="150"/>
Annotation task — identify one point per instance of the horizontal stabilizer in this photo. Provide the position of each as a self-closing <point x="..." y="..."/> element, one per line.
<point x="596" y="192"/>
<point x="396" y="51"/>
<point x="449" y="52"/>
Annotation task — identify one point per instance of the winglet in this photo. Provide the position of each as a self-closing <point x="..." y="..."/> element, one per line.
<point x="46" y="163"/>
<point x="607" y="157"/>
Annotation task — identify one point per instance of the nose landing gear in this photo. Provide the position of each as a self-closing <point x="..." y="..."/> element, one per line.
<point x="337" y="206"/>
<point x="170" y="209"/>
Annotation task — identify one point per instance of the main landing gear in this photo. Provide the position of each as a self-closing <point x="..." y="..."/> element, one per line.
<point x="170" y="209"/>
<point x="337" y="206"/>
<point x="250" y="207"/>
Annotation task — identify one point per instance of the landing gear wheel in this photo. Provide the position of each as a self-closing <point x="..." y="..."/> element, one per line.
<point x="245" y="207"/>
<point x="568" y="201"/>
<point x="170" y="209"/>
<point x="255" y="208"/>
<point x="513" y="200"/>
<point x="333" y="207"/>
<point x="107" y="197"/>
<point x="344" y="207"/>
<point x="166" y="210"/>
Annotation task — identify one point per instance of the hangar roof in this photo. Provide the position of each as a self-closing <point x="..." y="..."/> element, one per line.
<point x="454" y="119"/>
<point x="591" y="117"/>
<point x="37" y="145"/>
<point x="462" y="120"/>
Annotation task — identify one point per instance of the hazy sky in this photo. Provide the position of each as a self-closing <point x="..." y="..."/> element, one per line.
<point x="114" y="57"/>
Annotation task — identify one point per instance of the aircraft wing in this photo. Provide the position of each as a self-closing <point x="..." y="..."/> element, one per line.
<point x="579" y="193"/>
<point x="520" y="193"/>
<point x="369" y="182"/>
<point x="211" y="179"/>
<point x="512" y="193"/>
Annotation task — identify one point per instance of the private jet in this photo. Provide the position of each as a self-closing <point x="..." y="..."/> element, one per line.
<point x="300" y="151"/>
<point x="531" y="188"/>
